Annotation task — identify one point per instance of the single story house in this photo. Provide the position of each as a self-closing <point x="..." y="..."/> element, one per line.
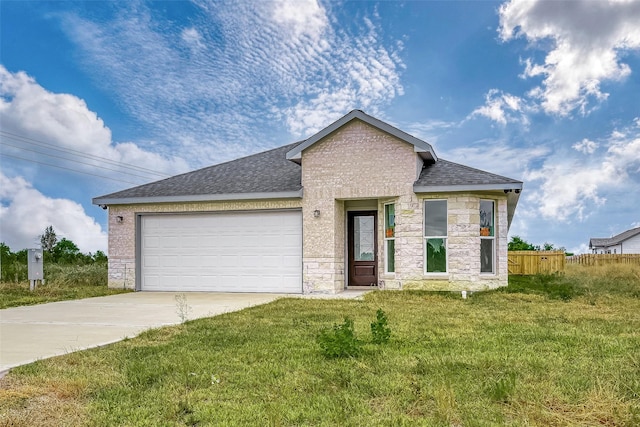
<point x="627" y="242"/>
<point x="359" y="204"/>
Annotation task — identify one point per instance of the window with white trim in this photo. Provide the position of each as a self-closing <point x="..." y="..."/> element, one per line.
<point x="487" y="236"/>
<point x="390" y="238"/>
<point x="435" y="236"/>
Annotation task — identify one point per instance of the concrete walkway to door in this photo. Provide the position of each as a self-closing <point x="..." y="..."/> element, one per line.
<point x="36" y="332"/>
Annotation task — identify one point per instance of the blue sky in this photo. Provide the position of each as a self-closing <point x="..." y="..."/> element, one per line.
<point x="99" y="96"/>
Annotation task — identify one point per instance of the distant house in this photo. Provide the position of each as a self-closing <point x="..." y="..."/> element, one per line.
<point x="360" y="203"/>
<point x="627" y="242"/>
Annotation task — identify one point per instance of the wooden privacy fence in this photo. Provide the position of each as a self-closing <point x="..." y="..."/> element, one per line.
<point x="604" y="259"/>
<point x="536" y="262"/>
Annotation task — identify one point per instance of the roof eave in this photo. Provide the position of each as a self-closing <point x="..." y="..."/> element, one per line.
<point x="106" y="201"/>
<point x="509" y="186"/>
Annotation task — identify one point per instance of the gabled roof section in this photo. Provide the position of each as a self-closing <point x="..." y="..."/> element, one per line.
<point x="615" y="240"/>
<point x="266" y="175"/>
<point x="421" y="147"/>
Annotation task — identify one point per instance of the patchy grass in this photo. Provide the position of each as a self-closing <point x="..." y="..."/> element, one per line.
<point x="591" y="282"/>
<point x="497" y="358"/>
<point x="62" y="283"/>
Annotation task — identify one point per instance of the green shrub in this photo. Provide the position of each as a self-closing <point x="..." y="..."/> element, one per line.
<point x="339" y="341"/>
<point x="380" y="331"/>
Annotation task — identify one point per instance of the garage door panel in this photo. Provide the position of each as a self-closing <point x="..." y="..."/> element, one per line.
<point x="228" y="252"/>
<point x="290" y="261"/>
<point x="169" y="261"/>
<point x="152" y="242"/>
<point x="191" y="242"/>
<point x="248" y="262"/>
<point x="227" y="261"/>
<point x="169" y="242"/>
<point x="190" y="261"/>
<point x="210" y="259"/>
<point x="150" y="261"/>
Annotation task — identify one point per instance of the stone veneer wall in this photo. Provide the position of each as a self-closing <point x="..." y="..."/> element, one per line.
<point x="463" y="245"/>
<point x="355" y="162"/>
<point x="358" y="162"/>
<point x="122" y="236"/>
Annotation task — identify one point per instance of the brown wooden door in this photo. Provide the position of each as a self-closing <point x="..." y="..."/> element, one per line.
<point x="362" y="241"/>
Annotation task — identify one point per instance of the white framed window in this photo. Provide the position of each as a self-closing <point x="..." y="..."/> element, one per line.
<point x="390" y="238"/>
<point x="487" y="236"/>
<point x="435" y="236"/>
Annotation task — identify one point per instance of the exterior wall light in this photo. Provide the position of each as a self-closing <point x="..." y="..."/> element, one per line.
<point x="119" y="219"/>
<point x="316" y="213"/>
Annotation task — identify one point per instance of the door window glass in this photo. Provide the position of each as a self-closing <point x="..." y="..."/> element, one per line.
<point x="363" y="238"/>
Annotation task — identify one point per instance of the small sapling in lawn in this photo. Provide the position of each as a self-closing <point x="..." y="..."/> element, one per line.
<point x="339" y="341"/>
<point x="182" y="307"/>
<point x="380" y="331"/>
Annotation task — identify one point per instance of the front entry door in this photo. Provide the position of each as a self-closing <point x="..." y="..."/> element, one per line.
<point x="362" y="242"/>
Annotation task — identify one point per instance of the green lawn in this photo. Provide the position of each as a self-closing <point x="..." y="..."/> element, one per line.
<point x="527" y="355"/>
<point x="64" y="282"/>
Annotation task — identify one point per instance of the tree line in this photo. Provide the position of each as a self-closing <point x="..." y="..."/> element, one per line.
<point x="518" y="244"/>
<point x="13" y="265"/>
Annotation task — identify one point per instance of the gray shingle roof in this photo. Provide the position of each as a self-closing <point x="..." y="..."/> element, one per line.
<point x="615" y="240"/>
<point x="266" y="172"/>
<point x="273" y="174"/>
<point x="444" y="175"/>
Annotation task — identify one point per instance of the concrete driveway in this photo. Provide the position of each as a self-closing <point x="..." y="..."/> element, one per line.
<point x="40" y="331"/>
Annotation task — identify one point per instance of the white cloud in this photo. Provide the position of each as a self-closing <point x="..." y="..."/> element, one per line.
<point x="582" y="248"/>
<point x="268" y="54"/>
<point x="585" y="146"/>
<point x="587" y="41"/>
<point x="358" y="74"/>
<point x="302" y="17"/>
<point x="571" y="188"/>
<point x="192" y="38"/>
<point x="34" y="119"/>
<point x="27" y="108"/>
<point x="60" y="130"/>
<point x="25" y="213"/>
<point x="497" y="157"/>
<point x="428" y="130"/>
<point x="502" y="108"/>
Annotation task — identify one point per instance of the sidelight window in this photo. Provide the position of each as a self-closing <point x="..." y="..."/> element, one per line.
<point x="487" y="236"/>
<point x="390" y="237"/>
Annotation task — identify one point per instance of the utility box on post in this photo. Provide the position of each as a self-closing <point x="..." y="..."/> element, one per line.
<point x="35" y="264"/>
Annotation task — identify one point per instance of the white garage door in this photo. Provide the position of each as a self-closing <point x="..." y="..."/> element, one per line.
<point x="222" y="252"/>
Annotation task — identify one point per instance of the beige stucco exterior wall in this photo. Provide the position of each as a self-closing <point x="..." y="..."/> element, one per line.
<point x="122" y="235"/>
